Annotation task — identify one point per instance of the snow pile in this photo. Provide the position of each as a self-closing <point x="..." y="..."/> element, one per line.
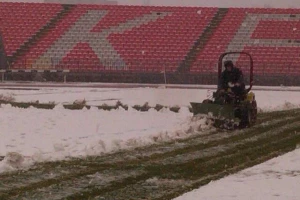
<point x="268" y="101"/>
<point x="7" y="97"/>
<point x="285" y="106"/>
<point x="14" y="161"/>
<point x="44" y="135"/>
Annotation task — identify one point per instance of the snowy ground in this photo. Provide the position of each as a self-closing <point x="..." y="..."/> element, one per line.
<point x="42" y="135"/>
<point x="278" y="179"/>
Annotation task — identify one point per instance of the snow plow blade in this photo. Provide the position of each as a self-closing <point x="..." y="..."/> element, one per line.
<point x="215" y="111"/>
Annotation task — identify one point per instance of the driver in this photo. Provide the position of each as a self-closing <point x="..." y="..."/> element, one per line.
<point x="231" y="77"/>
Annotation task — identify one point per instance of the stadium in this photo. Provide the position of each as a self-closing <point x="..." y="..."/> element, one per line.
<point x="97" y="100"/>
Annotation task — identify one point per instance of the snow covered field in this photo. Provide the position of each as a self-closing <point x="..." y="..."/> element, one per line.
<point x="42" y="135"/>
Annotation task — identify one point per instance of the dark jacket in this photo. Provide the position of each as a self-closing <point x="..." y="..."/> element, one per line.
<point x="234" y="76"/>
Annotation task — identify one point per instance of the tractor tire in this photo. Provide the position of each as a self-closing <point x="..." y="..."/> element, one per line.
<point x="250" y="118"/>
<point x="254" y="112"/>
<point x="248" y="115"/>
<point x="244" y="119"/>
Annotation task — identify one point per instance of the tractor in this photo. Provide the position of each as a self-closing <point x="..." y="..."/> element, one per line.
<point x="226" y="110"/>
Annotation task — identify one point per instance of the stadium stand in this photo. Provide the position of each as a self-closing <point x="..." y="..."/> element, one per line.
<point x="270" y="35"/>
<point x="122" y="37"/>
<point x="105" y="38"/>
<point x="20" y="21"/>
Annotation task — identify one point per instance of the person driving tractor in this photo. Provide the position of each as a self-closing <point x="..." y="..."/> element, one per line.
<point x="232" y="77"/>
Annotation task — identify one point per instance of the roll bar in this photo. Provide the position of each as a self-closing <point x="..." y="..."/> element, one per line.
<point x="220" y="65"/>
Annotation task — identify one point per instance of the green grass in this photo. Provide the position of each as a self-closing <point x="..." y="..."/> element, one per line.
<point x="79" y="106"/>
<point x="38" y="105"/>
<point x="158" y="107"/>
<point x="142" y="108"/>
<point x="175" y="109"/>
<point x="224" y="163"/>
<point x="75" y="106"/>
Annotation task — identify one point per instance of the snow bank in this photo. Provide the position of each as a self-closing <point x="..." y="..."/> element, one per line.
<point x="47" y="135"/>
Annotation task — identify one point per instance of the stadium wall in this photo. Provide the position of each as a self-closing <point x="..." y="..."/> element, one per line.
<point x="99" y="2"/>
<point x="142" y="77"/>
<point x="210" y="3"/>
<point x="218" y="3"/>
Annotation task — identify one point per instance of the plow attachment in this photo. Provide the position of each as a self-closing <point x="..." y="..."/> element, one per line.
<point x="225" y="108"/>
<point x="223" y="116"/>
<point x="214" y="110"/>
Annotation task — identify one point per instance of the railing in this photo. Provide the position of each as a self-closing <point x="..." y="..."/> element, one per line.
<point x="3" y="60"/>
<point x="153" y="65"/>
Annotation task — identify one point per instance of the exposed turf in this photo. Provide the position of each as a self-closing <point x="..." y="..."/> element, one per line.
<point x="161" y="171"/>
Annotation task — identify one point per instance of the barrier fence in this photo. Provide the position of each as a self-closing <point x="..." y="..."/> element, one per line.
<point x="152" y="65"/>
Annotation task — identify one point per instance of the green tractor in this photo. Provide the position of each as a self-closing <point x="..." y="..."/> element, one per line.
<point x="225" y="110"/>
